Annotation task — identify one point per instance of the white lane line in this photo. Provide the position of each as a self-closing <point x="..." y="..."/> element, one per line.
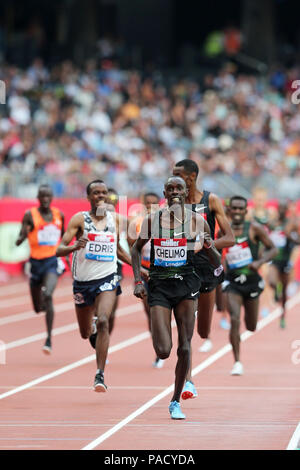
<point x="117" y="347"/>
<point x="294" y="443"/>
<point x="225" y="349"/>
<point x="14" y="302"/>
<point x="67" y="328"/>
<point x="58" y="309"/>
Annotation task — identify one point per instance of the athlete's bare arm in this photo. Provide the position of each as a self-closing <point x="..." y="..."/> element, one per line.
<point x="227" y="239"/>
<point x="27" y="226"/>
<point x="136" y="257"/>
<point x="257" y="234"/>
<point x="75" y="229"/>
<point x="292" y="231"/>
<point x="206" y="242"/>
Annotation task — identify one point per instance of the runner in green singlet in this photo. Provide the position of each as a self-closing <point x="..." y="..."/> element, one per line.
<point x="284" y="232"/>
<point x="243" y="284"/>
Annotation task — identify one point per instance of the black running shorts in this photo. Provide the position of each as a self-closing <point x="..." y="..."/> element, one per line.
<point x="209" y="276"/>
<point x="250" y="288"/>
<point x="169" y="292"/>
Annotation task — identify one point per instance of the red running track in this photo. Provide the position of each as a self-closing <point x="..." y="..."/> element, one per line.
<point x="47" y="402"/>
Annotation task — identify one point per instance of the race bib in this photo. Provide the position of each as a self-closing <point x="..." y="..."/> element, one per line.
<point x="146" y="254"/>
<point x="170" y="252"/>
<point x="239" y="255"/>
<point x="101" y="247"/>
<point x="278" y="238"/>
<point x="49" y="235"/>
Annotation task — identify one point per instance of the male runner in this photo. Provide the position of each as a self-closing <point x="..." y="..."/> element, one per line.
<point x="150" y="202"/>
<point x="173" y="283"/>
<point x="243" y="284"/>
<point x="43" y="226"/>
<point x="284" y="232"/>
<point x="211" y="208"/>
<point x="94" y="268"/>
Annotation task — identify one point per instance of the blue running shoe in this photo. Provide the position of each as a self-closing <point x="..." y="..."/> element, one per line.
<point x="175" y="410"/>
<point x="189" y="391"/>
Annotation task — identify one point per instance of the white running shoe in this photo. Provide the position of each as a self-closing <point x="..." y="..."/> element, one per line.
<point x="206" y="346"/>
<point x="237" y="369"/>
<point x="158" y="363"/>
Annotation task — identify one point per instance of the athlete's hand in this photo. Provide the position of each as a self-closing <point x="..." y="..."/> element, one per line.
<point x="145" y="274"/>
<point x="140" y="291"/>
<point x="80" y="243"/>
<point x="255" y="265"/>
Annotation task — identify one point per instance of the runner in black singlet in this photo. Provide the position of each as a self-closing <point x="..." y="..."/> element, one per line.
<point x="173" y="283"/>
<point x="211" y="208"/>
<point x="243" y="284"/>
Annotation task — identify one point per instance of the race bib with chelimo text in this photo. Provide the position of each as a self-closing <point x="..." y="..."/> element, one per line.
<point x="239" y="255"/>
<point x="170" y="252"/>
<point x="49" y="235"/>
<point x="100" y="247"/>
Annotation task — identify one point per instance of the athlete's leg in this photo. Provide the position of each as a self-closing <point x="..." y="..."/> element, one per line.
<point x="37" y="297"/>
<point x="49" y="284"/>
<point x="251" y="313"/>
<point x="221" y="307"/>
<point x="103" y="305"/>
<point x="284" y="279"/>
<point x="185" y="320"/>
<point x="161" y="330"/>
<point x="234" y="303"/>
<point x="113" y="315"/>
<point x="206" y="303"/>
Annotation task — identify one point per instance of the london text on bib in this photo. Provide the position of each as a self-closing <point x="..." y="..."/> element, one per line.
<point x="170" y="252"/>
<point x="100" y="247"/>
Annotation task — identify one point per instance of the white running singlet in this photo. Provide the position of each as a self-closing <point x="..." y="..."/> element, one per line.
<point x="99" y="257"/>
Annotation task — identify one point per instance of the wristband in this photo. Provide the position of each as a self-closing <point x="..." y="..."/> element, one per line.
<point x="138" y="282"/>
<point x="211" y="244"/>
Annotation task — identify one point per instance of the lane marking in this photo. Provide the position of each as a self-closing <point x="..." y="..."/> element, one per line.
<point x="61" y="308"/>
<point x="294" y="443"/>
<point x="225" y="349"/>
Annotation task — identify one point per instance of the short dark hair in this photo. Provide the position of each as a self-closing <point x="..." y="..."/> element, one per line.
<point x="239" y="198"/>
<point x="149" y="194"/>
<point x="88" y="188"/>
<point x="112" y="190"/>
<point x="189" y="166"/>
<point x="45" y="186"/>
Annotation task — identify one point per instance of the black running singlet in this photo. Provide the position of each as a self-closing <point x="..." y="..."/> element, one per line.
<point x="203" y="209"/>
<point x="172" y="250"/>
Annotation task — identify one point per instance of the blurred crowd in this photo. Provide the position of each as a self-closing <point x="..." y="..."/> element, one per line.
<point x="66" y="126"/>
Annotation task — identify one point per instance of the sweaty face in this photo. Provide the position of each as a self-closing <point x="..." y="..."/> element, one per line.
<point x="179" y="171"/>
<point x="45" y="197"/>
<point x="175" y="191"/>
<point x="150" y="201"/>
<point x="238" y="210"/>
<point x="98" y="194"/>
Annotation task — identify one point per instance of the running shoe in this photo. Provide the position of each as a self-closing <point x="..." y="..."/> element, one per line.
<point x="278" y="292"/>
<point x="175" y="410"/>
<point x="224" y="324"/>
<point x="264" y="312"/>
<point x="237" y="369"/>
<point x="189" y="391"/>
<point x="47" y="348"/>
<point x="158" y="363"/>
<point x="206" y="346"/>
<point x="93" y="336"/>
<point x="99" y="385"/>
<point x="282" y="323"/>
